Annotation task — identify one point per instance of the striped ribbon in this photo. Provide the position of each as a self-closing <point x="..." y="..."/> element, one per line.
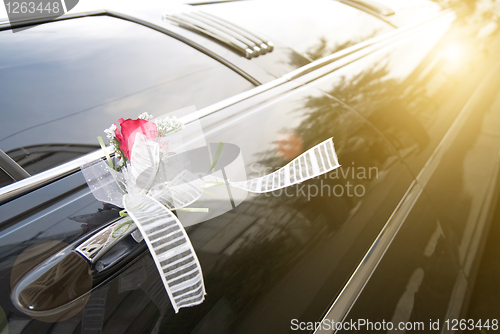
<point x="163" y="233"/>
<point x="316" y="161"/>
<point x="170" y="248"/>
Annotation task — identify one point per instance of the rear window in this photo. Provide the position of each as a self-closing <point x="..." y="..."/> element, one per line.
<point x="314" y="29"/>
<point x="64" y="82"/>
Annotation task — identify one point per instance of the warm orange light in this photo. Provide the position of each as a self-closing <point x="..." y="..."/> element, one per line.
<point x="454" y="52"/>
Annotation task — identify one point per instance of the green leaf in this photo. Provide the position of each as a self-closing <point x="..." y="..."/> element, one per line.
<point x="103" y="146"/>
<point x="217" y="154"/>
<point x="193" y="209"/>
<point x="117" y="228"/>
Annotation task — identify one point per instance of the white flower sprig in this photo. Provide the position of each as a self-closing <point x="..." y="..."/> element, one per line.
<point x="110" y="132"/>
<point x="168" y="126"/>
<point x="146" y="116"/>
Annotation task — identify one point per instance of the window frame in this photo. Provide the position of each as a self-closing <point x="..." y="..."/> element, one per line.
<point x="12" y="168"/>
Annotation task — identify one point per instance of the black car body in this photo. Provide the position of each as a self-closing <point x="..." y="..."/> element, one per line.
<point x="393" y="235"/>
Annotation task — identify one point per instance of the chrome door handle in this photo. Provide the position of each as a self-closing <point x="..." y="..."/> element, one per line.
<point x="98" y="244"/>
<point x="70" y="277"/>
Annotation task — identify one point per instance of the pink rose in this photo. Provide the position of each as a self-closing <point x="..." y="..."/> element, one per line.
<point x="129" y="128"/>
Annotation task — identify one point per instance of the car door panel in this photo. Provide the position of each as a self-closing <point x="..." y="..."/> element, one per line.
<point x="413" y="282"/>
<point x="334" y="231"/>
<point x="444" y="128"/>
<point x="463" y="185"/>
<point x="408" y="90"/>
<point x="268" y="246"/>
<point x="44" y="222"/>
<point x="285" y="255"/>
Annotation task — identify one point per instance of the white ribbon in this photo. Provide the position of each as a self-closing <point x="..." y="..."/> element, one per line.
<point x="170" y="248"/>
<point x="151" y="197"/>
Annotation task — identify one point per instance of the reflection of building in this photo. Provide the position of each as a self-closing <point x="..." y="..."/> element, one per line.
<point x="38" y="158"/>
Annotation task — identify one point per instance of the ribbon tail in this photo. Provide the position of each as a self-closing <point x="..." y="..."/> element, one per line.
<point x="318" y="160"/>
<point x="170" y="248"/>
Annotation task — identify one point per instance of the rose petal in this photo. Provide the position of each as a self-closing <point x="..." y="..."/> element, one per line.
<point x="129" y="128"/>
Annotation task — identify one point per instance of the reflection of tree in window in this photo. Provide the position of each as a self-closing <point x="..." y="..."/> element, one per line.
<point x="322" y="49"/>
<point x="394" y="107"/>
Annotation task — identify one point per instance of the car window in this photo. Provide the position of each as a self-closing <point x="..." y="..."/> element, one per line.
<point x="65" y="81"/>
<point x="399" y="89"/>
<point x="37" y="158"/>
<point x="5" y="179"/>
<point x="314" y="29"/>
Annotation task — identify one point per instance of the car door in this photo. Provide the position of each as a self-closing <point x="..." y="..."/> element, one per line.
<point x="272" y="259"/>
<point x="301" y="244"/>
<point x="289" y="253"/>
<point x="44" y="222"/>
<point x="61" y="90"/>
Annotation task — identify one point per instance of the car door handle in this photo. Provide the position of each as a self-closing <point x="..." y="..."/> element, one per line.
<point x="100" y="243"/>
<point x="59" y="286"/>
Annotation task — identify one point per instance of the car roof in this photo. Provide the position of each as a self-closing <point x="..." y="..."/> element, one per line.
<point x="302" y="32"/>
<point x="405" y="12"/>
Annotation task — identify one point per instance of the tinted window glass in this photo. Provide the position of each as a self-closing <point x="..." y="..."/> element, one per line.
<point x="4" y="178"/>
<point x="400" y="90"/>
<point x="37" y="158"/>
<point x="65" y="82"/>
<point x="314" y="29"/>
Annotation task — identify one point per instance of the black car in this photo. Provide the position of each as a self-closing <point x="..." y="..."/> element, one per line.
<point x="388" y="241"/>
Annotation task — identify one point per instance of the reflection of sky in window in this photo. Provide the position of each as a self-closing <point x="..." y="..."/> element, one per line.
<point x="400" y="61"/>
<point x="77" y="76"/>
<point x="300" y="24"/>
<point x="404" y="57"/>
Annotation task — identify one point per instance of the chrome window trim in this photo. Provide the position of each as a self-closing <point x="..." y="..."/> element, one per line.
<point x="43" y="178"/>
<point x="373" y="6"/>
<point x="12" y="168"/>
<point x="379" y="15"/>
<point x="333" y="61"/>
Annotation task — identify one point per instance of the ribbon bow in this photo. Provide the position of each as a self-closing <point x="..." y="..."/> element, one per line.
<point x="156" y="182"/>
